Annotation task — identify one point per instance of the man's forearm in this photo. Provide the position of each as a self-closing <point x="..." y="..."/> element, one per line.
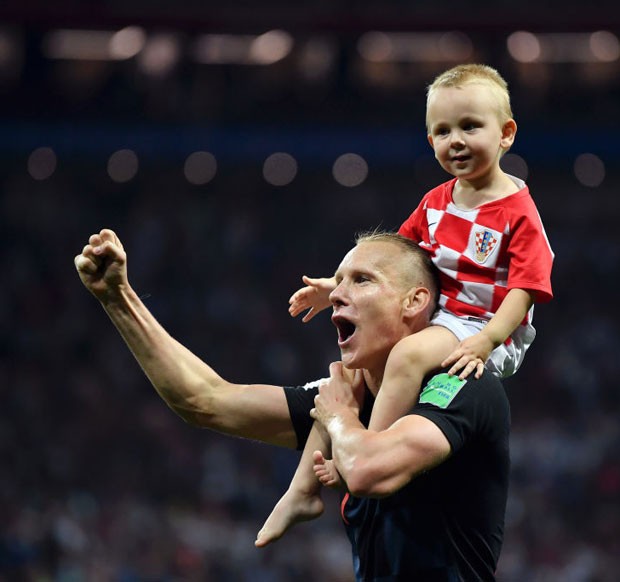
<point x="177" y="374"/>
<point x="347" y="436"/>
<point x="192" y="388"/>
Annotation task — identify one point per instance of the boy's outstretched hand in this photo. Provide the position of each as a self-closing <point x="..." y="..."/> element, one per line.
<point x="314" y="297"/>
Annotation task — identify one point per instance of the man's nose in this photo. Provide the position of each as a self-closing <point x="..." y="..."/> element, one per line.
<point x="337" y="295"/>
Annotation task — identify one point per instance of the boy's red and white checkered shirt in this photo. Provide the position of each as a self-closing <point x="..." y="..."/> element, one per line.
<point x="484" y="252"/>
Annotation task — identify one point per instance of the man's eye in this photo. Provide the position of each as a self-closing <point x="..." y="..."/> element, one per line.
<point x="361" y="279"/>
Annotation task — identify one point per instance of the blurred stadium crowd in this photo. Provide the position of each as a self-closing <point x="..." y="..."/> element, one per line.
<point x="100" y="481"/>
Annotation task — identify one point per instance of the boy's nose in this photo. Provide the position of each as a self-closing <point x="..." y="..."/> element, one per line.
<point x="456" y="139"/>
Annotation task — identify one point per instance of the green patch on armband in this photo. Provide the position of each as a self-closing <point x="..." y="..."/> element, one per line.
<point x="441" y="390"/>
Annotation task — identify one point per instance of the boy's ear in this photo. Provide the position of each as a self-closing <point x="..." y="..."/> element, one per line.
<point x="429" y="137"/>
<point x="509" y="131"/>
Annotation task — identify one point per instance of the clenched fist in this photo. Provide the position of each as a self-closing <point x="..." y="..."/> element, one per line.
<point x="102" y="265"/>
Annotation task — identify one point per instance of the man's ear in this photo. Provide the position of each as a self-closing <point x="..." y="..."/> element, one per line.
<point x="416" y="301"/>
<point x="509" y="131"/>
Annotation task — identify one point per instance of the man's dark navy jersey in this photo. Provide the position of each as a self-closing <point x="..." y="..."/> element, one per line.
<point x="448" y="523"/>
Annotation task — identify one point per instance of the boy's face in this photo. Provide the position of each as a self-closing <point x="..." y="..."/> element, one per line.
<point x="466" y="133"/>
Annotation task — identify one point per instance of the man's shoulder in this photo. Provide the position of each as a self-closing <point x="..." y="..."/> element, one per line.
<point x="472" y="402"/>
<point x="442" y="388"/>
<point x="466" y="409"/>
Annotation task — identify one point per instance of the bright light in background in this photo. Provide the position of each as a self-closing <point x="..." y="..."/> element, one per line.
<point x="123" y="166"/>
<point x="523" y="47"/>
<point x="270" y="47"/>
<point x="237" y="49"/>
<point x="160" y="54"/>
<point x="350" y="170"/>
<point x="200" y="168"/>
<point x="94" y="45"/>
<point x="381" y="47"/>
<point x="280" y="169"/>
<point x="42" y="163"/>
<point x="127" y="43"/>
<point x="564" y="47"/>
<point x="515" y="165"/>
<point x="589" y="170"/>
<point x="605" y="46"/>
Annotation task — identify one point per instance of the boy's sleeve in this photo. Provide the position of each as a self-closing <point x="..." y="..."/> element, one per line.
<point x="415" y="226"/>
<point x="531" y="257"/>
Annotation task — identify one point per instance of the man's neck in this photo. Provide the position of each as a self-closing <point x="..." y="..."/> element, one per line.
<point x="373" y="381"/>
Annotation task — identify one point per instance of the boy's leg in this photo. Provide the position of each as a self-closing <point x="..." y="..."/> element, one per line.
<point x="410" y="360"/>
<point x="302" y="501"/>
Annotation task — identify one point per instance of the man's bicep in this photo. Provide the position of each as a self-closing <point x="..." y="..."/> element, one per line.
<point x="424" y="444"/>
<point x="393" y="457"/>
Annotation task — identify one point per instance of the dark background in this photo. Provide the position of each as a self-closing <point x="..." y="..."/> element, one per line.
<point x="99" y="480"/>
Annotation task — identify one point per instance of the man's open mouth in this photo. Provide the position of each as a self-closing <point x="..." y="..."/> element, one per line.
<point x="345" y="328"/>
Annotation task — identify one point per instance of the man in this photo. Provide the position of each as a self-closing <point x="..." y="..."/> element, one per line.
<point x="426" y="496"/>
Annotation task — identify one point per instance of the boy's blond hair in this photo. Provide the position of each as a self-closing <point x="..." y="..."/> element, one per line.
<point x="467" y="74"/>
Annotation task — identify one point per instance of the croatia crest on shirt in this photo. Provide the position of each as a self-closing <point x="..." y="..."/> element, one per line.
<point x="485" y="243"/>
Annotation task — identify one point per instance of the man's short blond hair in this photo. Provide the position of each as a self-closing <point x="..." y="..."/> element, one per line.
<point x="467" y="74"/>
<point x="418" y="268"/>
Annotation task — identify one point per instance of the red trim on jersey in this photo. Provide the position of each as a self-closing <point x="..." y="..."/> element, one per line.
<point x="342" y="505"/>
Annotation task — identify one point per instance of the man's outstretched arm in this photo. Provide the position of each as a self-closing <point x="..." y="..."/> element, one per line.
<point x="187" y="384"/>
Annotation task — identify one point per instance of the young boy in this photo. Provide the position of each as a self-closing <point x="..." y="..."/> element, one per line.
<point x="484" y="234"/>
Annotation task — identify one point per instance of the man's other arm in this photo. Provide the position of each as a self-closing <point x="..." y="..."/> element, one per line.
<point x="376" y="464"/>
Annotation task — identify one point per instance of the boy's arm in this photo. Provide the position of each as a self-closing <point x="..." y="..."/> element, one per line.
<point x="314" y="297"/>
<point x="473" y="352"/>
